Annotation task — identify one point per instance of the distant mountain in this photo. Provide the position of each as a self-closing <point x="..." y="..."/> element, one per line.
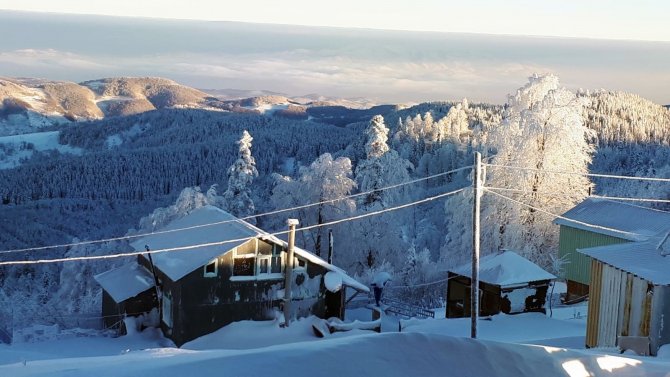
<point x="29" y="104"/>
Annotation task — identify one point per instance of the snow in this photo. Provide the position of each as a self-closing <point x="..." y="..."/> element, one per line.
<point x="381" y="278"/>
<point x="333" y="281"/>
<point x="506" y="269"/>
<point x="642" y="259"/>
<point x="178" y="264"/>
<point x="631" y="222"/>
<point x="41" y="141"/>
<point x="126" y="281"/>
<point x="424" y="348"/>
<point x="268" y="109"/>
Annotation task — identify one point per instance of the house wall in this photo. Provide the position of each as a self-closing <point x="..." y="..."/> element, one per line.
<point x="578" y="266"/>
<point x="113" y="312"/>
<point x="494" y="300"/>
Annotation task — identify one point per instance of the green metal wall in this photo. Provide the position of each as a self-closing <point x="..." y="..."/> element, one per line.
<point x="578" y="267"/>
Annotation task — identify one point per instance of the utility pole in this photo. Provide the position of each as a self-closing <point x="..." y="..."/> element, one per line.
<point x="288" y="270"/>
<point x="474" y="281"/>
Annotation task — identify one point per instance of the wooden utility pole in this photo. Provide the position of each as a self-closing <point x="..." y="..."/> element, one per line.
<point x="288" y="270"/>
<point x="474" y="281"/>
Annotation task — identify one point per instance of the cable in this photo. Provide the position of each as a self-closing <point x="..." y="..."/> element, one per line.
<point x="654" y="179"/>
<point x="190" y="247"/>
<point x="564" y="218"/>
<point x="529" y="192"/>
<point x="227" y="221"/>
<point x="422" y="284"/>
<point x="555" y="194"/>
<point x="646" y="200"/>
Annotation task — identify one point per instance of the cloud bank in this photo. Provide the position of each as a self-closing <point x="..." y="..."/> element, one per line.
<point x="386" y="66"/>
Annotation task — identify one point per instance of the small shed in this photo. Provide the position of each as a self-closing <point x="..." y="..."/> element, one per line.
<point x="128" y="290"/>
<point x="599" y="222"/>
<point x="231" y="271"/>
<point x="508" y="283"/>
<point x="630" y="294"/>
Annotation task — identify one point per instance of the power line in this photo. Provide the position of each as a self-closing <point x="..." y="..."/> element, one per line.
<point x="648" y="200"/>
<point x="564" y="195"/>
<point x="654" y="179"/>
<point x="563" y="217"/>
<point x="243" y="218"/>
<point x="190" y="247"/>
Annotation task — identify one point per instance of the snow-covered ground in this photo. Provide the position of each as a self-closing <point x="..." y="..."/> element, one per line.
<point x="15" y="148"/>
<point x="508" y="345"/>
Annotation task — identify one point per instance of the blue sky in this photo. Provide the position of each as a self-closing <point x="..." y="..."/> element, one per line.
<point x="611" y="19"/>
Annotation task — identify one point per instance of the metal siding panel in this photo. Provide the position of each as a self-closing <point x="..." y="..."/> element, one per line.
<point x="623" y="278"/>
<point x="660" y="321"/>
<point x="609" y="307"/>
<point x="593" y="316"/>
<point x="637" y="306"/>
<point x="578" y="267"/>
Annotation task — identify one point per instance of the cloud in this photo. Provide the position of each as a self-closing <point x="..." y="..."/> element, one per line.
<point x="48" y="58"/>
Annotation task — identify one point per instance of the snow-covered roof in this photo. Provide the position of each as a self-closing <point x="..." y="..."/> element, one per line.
<point x="178" y="264"/>
<point x="506" y="269"/>
<point x="617" y="219"/>
<point x="643" y="259"/>
<point x="126" y="281"/>
<point x="346" y="279"/>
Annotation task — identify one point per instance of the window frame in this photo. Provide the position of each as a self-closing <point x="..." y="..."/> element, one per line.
<point x="166" y="309"/>
<point x="214" y="274"/>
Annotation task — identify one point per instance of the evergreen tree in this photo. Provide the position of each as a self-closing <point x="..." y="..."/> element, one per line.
<point x="240" y="177"/>
<point x="382" y="167"/>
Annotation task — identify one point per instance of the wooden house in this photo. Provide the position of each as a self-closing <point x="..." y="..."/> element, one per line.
<point x="508" y="283"/>
<point x="600" y="222"/>
<point x="209" y="286"/>
<point x="630" y="295"/>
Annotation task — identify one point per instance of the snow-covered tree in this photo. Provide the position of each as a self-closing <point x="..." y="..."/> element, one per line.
<point x="382" y="167"/>
<point x="240" y="177"/>
<point x="325" y="179"/>
<point x="542" y="130"/>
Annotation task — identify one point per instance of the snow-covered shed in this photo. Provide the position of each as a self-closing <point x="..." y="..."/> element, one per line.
<point x="508" y="283"/>
<point x="599" y="222"/>
<point x="231" y="271"/>
<point x="630" y="294"/>
<point x="126" y="290"/>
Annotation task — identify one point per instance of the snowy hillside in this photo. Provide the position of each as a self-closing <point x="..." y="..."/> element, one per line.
<point x="14" y="149"/>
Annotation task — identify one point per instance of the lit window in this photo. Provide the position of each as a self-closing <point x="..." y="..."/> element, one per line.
<point x="263" y="266"/>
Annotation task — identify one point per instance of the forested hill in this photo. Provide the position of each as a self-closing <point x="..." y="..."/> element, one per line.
<point x="105" y="174"/>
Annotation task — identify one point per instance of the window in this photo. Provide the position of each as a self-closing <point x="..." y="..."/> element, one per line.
<point x="211" y="269"/>
<point x="257" y="259"/>
<point x="299" y="263"/>
<point x="167" y="308"/>
<point x="244" y="266"/>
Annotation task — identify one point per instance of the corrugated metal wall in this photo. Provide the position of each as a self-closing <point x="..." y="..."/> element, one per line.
<point x="622" y="304"/>
<point x="578" y="267"/>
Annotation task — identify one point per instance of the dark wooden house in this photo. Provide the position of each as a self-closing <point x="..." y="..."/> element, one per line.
<point x="508" y="283"/>
<point x="207" y="287"/>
